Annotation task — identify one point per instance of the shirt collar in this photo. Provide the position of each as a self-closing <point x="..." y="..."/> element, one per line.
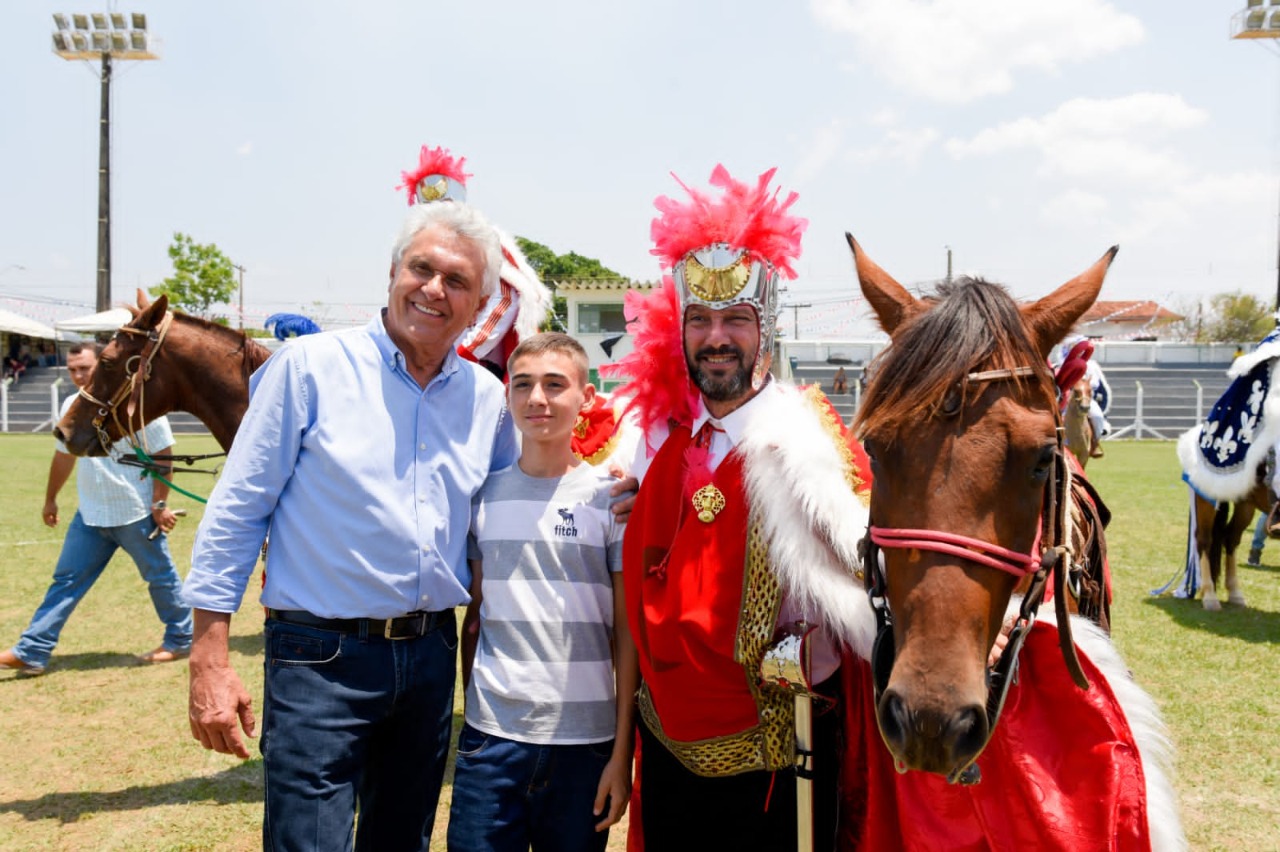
<point x="735" y="422"/>
<point x="394" y="358"/>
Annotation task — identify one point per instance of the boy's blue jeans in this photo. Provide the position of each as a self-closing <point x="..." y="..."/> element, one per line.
<point x="85" y="553"/>
<point x="510" y="796"/>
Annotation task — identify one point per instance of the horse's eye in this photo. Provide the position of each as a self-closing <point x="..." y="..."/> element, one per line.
<point x="951" y="403"/>
<point x="107" y="363"/>
<point x="1044" y="461"/>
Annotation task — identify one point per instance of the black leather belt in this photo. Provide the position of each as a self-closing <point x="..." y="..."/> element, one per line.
<point x="410" y="626"/>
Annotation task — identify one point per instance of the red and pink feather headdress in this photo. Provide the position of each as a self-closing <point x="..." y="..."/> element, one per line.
<point x="433" y="161"/>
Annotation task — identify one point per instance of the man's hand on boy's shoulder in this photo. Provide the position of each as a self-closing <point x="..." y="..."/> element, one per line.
<point x="624" y="493"/>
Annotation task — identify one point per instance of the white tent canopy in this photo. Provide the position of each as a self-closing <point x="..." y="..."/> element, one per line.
<point x="93" y="323"/>
<point x="18" y="324"/>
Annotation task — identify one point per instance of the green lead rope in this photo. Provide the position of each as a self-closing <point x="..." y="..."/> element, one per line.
<point x="152" y="469"/>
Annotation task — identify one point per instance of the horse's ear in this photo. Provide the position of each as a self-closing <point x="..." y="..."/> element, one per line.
<point x="1053" y="316"/>
<point x="889" y="299"/>
<point x="150" y="315"/>
<point x="143" y="301"/>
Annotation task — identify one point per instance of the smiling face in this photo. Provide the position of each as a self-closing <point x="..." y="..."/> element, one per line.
<point x="547" y="392"/>
<point x="720" y="348"/>
<point x="434" y="295"/>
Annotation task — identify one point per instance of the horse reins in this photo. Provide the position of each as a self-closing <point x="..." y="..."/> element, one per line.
<point x="132" y="388"/>
<point x="1049" y="555"/>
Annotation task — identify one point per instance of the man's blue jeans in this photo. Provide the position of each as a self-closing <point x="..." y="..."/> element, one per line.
<point x="86" y="551"/>
<point x="510" y="796"/>
<point x="352" y="721"/>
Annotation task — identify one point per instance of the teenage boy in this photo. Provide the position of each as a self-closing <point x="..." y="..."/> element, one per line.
<point x="544" y="759"/>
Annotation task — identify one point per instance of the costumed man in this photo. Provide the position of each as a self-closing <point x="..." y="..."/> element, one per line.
<point x="744" y="531"/>
<point x="517" y="311"/>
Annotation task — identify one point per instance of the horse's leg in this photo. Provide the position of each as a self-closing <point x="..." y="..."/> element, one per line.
<point x="1206" y="514"/>
<point x="1241" y="518"/>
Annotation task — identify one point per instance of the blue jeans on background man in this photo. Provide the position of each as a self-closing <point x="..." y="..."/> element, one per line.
<point x="85" y="553"/>
<point x="510" y="796"/>
<point x="354" y="720"/>
<point x="1259" y="539"/>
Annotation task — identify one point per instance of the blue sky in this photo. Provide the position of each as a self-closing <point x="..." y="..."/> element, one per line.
<point x="1028" y="137"/>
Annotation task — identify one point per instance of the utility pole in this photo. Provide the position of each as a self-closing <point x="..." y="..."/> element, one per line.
<point x="948" y="248"/>
<point x="110" y="36"/>
<point x="240" y="269"/>
<point x="795" y="318"/>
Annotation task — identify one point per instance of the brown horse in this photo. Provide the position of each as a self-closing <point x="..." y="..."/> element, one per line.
<point x="158" y="362"/>
<point x="1218" y="532"/>
<point x="968" y="501"/>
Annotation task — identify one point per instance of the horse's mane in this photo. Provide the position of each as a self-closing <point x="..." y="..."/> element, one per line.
<point x="254" y="353"/>
<point x="970" y="325"/>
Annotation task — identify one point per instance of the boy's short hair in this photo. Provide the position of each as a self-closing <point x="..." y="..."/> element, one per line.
<point x="553" y="341"/>
<point x="77" y="348"/>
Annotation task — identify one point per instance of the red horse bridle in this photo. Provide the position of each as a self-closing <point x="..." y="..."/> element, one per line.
<point x="1048" y="556"/>
<point x="137" y="370"/>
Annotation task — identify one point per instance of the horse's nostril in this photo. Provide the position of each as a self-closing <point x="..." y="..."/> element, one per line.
<point x="895" y="720"/>
<point x="966" y="733"/>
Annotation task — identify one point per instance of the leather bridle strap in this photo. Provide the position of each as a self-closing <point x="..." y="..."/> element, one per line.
<point x="133" y="388"/>
<point x="972" y="549"/>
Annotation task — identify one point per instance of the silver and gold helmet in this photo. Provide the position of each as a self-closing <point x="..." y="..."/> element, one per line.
<point x="719" y="277"/>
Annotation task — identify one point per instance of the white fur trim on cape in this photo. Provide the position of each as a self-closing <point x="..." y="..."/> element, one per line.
<point x="1234" y="486"/>
<point x="810" y="516"/>
<point x="535" y="298"/>
<point x="1164" y="824"/>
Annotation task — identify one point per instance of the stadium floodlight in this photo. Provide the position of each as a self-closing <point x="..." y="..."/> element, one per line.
<point x="1256" y="20"/>
<point x="111" y="38"/>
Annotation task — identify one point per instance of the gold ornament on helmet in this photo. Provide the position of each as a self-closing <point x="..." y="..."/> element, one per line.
<point x="717" y="283"/>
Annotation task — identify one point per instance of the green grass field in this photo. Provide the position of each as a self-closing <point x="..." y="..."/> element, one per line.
<point x="97" y="752"/>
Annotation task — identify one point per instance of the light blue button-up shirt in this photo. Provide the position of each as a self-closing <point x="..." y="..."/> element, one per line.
<point x="363" y="478"/>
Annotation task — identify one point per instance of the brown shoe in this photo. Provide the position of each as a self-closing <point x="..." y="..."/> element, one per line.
<point x="164" y="655"/>
<point x="1097" y="453"/>
<point x="11" y="661"/>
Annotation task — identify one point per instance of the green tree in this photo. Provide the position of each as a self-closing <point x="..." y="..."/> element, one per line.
<point x="552" y="267"/>
<point x="202" y="277"/>
<point x="1227" y="318"/>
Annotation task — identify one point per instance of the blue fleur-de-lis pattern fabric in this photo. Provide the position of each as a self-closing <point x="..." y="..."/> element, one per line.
<point x="1220" y="456"/>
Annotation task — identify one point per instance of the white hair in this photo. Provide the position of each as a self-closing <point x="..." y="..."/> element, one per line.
<point x="465" y="221"/>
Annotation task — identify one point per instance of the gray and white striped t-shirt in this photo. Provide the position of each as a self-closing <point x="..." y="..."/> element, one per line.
<point x="543" y="670"/>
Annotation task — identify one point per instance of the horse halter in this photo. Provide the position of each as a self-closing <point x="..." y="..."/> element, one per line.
<point x="1049" y="554"/>
<point x="137" y="370"/>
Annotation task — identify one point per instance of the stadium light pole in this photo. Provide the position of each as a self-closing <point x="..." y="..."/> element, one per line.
<point x="1259" y="20"/>
<point x="112" y="36"/>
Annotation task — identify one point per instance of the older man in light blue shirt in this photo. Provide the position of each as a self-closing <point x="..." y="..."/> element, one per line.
<point x="359" y="454"/>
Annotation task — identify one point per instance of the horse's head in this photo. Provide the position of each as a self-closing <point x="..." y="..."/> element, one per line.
<point x="108" y="407"/>
<point x="960" y="421"/>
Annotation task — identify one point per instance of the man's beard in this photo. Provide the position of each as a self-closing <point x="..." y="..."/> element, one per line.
<point x="726" y="389"/>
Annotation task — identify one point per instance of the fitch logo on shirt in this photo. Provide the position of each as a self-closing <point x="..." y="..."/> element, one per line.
<point x="566" y="529"/>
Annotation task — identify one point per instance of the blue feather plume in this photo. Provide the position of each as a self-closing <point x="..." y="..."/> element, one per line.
<point x="290" y="325"/>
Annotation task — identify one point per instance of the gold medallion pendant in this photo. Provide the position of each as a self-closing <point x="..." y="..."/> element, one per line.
<point x="708" y="502"/>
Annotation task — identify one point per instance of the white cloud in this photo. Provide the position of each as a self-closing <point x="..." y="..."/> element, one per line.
<point x="822" y="149"/>
<point x="1118" y="139"/>
<point x="245" y="149"/>
<point x="1074" y="205"/>
<point x="907" y="145"/>
<point x="956" y="51"/>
